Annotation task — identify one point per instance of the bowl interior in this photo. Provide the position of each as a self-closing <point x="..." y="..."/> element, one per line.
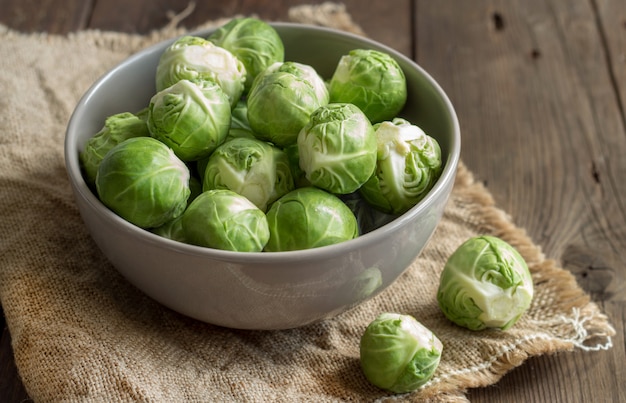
<point x="262" y="290"/>
<point x="130" y="85"/>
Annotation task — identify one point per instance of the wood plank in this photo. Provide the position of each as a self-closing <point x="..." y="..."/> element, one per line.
<point x="543" y="128"/>
<point x="387" y="22"/>
<point x="611" y="17"/>
<point x="52" y="16"/>
<point x="612" y="20"/>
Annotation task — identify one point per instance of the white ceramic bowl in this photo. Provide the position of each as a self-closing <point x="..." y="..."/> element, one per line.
<point x="263" y="290"/>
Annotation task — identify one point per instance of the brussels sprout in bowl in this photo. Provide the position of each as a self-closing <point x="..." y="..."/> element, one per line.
<point x="263" y="290"/>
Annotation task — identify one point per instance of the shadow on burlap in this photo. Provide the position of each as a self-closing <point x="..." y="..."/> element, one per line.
<point x="81" y="332"/>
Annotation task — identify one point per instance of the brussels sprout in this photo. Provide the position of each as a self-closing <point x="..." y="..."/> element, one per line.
<point x="143" y="181"/>
<point x="337" y="148"/>
<point x="371" y="80"/>
<point x="195" y="58"/>
<point x="253" y="41"/>
<point x="408" y="165"/>
<point x="303" y="71"/>
<point x="308" y="218"/>
<point x="280" y="103"/>
<point x="172" y="229"/>
<point x="192" y="118"/>
<point x="239" y="116"/>
<point x="223" y="219"/>
<point x="398" y="353"/>
<point x="299" y="176"/>
<point x="239" y="125"/>
<point x="143" y="114"/>
<point x="117" y="128"/>
<point x="251" y="167"/>
<point x="485" y="284"/>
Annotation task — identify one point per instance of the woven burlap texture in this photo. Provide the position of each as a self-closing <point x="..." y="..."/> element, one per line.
<point x="80" y="332"/>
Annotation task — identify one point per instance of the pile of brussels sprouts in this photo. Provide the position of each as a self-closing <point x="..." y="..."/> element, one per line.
<point x="242" y="150"/>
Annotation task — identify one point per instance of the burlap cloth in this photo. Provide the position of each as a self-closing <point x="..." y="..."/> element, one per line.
<point x="80" y="332"/>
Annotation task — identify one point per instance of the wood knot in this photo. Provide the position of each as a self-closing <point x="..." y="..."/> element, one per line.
<point x="592" y="273"/>
<point x="498" y="21"/>
<point x="535" y="54"/>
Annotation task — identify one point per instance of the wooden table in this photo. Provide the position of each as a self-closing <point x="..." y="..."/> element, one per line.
<point x="540" y="89"/>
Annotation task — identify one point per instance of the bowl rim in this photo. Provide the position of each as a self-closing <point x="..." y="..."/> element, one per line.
<point x="325" y="252"/>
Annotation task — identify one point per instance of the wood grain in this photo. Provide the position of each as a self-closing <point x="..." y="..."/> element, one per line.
<point x="52" y="16"/>
<point x="380" y="20"/>
<point x="540" y="89"/>
<point x="537" y="90"/>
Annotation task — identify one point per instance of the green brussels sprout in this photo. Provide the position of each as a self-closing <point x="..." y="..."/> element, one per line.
<point x="223" y="219"/>
<point x="117" y="128"/>
<point x="144" y="182"/>
<point x="308" y="218"/>
<point x="239" y="116"/>
<point x="192" y="118"/>
<point x="303" y="71"/>
<point x="281" y="101"/>
<point x="173" y="229"/>
<point x="373" y="81"/>
<point x="143" y="114"/>
<point x="255" y="42"/>
<point x="299" y="176"/>
<point x="337" y="148"/>
<point x="251" y="167"/>
<point x="408" y="165"/>
<point x="239" y="125"/>
<point x="195" y="58"/>
<point x="485" y="283"/>
<point x="398" y="353"/>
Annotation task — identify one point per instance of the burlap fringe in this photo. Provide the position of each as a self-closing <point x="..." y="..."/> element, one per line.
<point x="325" y="14"/>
